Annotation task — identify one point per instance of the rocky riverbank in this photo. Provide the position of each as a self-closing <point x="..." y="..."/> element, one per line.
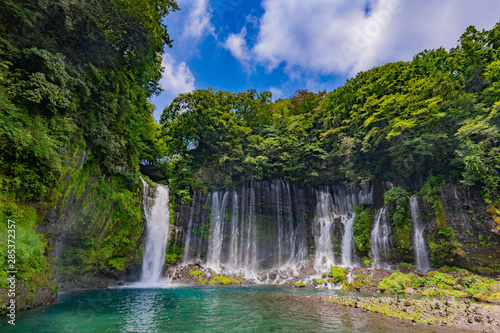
<point x="439" y="312"/>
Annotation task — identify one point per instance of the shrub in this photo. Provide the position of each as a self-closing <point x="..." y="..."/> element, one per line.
<point x="338" y="274"/>
<point x="195" y="272"/>
<point x="397" y="198"/>
<point x="397" y="283"/>
<point x="224" y="280"/>
<point x="361" y="228"/>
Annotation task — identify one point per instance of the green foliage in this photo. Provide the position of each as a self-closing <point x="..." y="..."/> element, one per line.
<point x="430" y="190"/>
<point x="78" y="69"/>
<point x="442" y="280"/>
<point x="361" y="228"/>
<point x="421" y="282"/>
<point x="397" y="199"/>
<point x="196" y="273"/>
<point x="319" y="281"/>
<point x="366" y="260"/>
<point x="443" y="243"/>
<point x="32" y="267"/>
<point x="301" y="284"/>
<point x="174" y="251"/>
<point x="224" y="280"/>
<point x="117" y="263"/>
<point x="75" y="78"/>
<point x="397" y="283"/>
<point x="338" y="274"/>
<point x="104" y="232"/>
<point x="238" y="136"/>
<point x="437" y="114"/>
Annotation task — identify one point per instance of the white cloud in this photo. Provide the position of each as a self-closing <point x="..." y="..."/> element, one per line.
<point x="177" y="78"/>
<point x="277" y="93"/>
<point x="337" y="36"/>
<point x="237" y="45"/>
<point x="197" y="24"/>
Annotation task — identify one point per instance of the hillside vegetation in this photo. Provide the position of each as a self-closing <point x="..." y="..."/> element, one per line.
<point x="437" y="114"/>
<point x="75" y="79"/>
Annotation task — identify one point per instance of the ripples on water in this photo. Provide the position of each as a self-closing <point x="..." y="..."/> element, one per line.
<point x="198" y="309"/>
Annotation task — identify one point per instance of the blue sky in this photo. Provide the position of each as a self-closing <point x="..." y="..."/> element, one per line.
<point x="285" y="45"/>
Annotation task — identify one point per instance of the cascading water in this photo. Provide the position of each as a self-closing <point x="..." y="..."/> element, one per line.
<point x="329" y="209"/>
<point x="324" y="220"/>
<point x="261" y="227"/>
<point x="187" y="242"/>
<point x="217" y="224"/>
<point x="421" y="256"/>
<point x="380" y="240"/>
<point x="257" y="226"/>
<point x="156" y="208"/>
<point x="348" y="247"/>
<point x="345" y="199"/>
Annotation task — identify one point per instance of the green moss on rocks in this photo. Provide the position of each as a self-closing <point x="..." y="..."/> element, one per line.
<point x="27" y="251"/>
<point x="337" y="275"/>
<point x="224" y="280"/>
<point x="397" y="199"/>
<point x="396" y="283"/>
<point x="96" y="221"/>
<point x="437" y="284"/>
<point x="361" y="228"/>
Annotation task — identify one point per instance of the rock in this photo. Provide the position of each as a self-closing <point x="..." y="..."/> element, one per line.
<point x="409" y="291"/>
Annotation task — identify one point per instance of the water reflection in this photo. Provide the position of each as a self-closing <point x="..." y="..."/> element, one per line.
<point x="141" y="311"/>
<point x="201" y="309"/>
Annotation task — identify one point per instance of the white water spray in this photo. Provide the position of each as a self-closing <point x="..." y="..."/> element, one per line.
<point x="157" y="234"/>
<point x="421" y="256"/>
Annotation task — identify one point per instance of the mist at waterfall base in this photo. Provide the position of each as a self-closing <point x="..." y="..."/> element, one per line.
<point x="200" y="309"/>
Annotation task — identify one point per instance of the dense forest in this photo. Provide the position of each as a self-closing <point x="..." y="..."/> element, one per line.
<point x="404" y="121"/>
<point x="75" y="79"/>
<point x="76" y="130"/>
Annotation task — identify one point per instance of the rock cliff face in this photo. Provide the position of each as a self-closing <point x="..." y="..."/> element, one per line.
<point x="279" y="223"/>
<point x="477" y="245"/>
<point x="94" y="228"/>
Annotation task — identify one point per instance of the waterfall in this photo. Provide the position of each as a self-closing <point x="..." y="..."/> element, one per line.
<point x="157" y="214"/>
<point x="217" y="221"/>
<point x="345" y="199"/>
<point x="379" y="239"/>
<point x="324" y="220"/>
<point x="189" y="231"/>
<point x="348" y="247"/>
<point x="235" y="231"/>
<point x="301" y="230"/>
<point x="262" y="226"/>
<point x="421" y="256"/>
<point x="276" y="190"/>
<point x="257" y="226"/>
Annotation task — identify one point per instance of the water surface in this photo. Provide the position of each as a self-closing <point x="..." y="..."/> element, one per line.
<point x="199" y="309"/>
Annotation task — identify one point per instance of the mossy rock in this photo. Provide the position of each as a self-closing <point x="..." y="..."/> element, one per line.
<point x="337" y="275"/>
<point x="224" y="280"/>
<point x="493" y="298"/>
<point x="397" y="283"/>
<point x="438" y="292"/>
